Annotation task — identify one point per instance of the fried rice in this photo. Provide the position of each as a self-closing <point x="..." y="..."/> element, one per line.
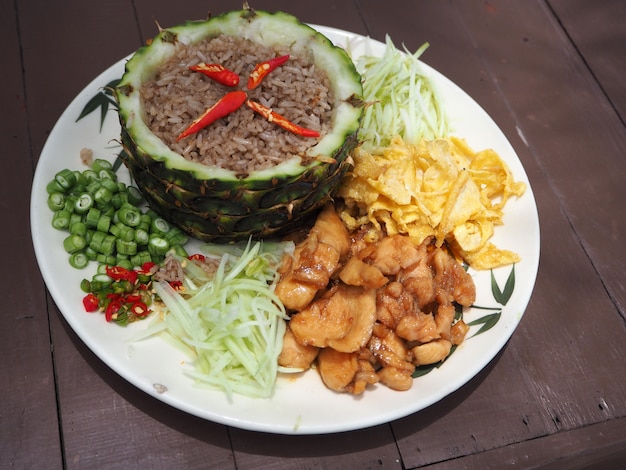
<point x="242" y="141"/>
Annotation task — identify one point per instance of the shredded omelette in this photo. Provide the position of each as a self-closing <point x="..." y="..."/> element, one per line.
<point x="440" y="188"/>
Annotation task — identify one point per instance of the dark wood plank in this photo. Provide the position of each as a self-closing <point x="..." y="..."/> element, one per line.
<point x="90" y="38"/>
<point x="586" y="448"/>
<point x="600" y="40"/>
<point x="29" y="433"/>
<point x="335" y="14"/>
<point x="368" y="448"/>
<point x="125" y="427"/>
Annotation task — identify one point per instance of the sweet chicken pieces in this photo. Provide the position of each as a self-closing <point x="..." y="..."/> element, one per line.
<point x="369" y="311"/>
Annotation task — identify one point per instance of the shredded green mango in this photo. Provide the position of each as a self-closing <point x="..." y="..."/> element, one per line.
<point x="400" y="99"/>
<point x="233" y="323"/>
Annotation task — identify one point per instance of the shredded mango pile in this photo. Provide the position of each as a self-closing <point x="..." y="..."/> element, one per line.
<point x="439" y="188"/>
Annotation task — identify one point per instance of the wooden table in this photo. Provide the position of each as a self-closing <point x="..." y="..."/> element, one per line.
<point x="550" y="73"/>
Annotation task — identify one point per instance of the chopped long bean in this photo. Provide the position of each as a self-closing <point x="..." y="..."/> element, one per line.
<point x="104" y="220"/>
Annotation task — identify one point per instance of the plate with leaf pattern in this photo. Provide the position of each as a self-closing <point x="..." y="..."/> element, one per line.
<point x="301" y="404"/>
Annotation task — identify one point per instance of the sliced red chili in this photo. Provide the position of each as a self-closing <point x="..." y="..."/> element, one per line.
<point x="197" y="257"/>
<point x="281" y="121"/>
<point x="146" y="268"/>
<point x="217" y="72"/>
<point x="226" y="105"/>
<point x="111" y="311"/>
<point x="176" y="284"/>
<point x="139" y="309"/>
<point x="119" y="273"/>
<point x="261" y="70"/>
<point x="91" y="302"/>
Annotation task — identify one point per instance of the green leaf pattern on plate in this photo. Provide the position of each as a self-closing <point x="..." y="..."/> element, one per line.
<point x="103" y="99"/>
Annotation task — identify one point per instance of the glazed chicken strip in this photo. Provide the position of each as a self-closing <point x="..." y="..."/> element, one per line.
<point x="391" y="254"/>
<point x="344" y="317"/>
<point x="358" y="273"/>
<point x="451" y="278"/>
<point x="293" y="293"/>
<point x="345" y="372"/>
<point x="362" y="306"/>
<point x="370" y="308"/>
<point x="315" y="260"/>
<point x="337" y="369"/>
<point x="295" y="355"/>
<point x="393" y="356"/>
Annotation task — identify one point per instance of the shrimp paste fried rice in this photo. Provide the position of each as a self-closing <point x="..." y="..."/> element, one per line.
<point x="242" y="141"/>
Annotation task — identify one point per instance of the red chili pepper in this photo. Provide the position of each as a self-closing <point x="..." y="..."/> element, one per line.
<point x="118" y="273"/>
<point x="217" y="72"/>
<point x="132" y="298"/>
<point x="226" y="105"/>
<point x="176" y="284"/>
<point x="146" y="268"/>
<point x="139" y="309"/>
<point x="271" y="116"/>
<point x="261" y="70"/>
<point x="90" y="302"/>
<point x="197" y="257"/>
<point x="112" y="309"/>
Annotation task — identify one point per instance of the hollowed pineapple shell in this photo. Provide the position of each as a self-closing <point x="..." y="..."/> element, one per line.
<point x="214" y="204"/>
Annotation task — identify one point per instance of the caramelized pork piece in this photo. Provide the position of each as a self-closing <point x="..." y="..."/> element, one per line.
<point x="390" y="350"/>
<point x="444" y="317"/>
<point x="417" y="279"/>
<point x="295" y="355"/>
<point x="330" y="230"/>
<point x="417" y="326"/>
<point x="432" y="352"/>
<point x="391" y="254"/>
<point x="366" y="375"/>
<point x="362" y="318"/>
<point x="345" y="372"/>
<point x="358" y="273"/>
<point x="295" y="295"/>
<point x="396" y="379"/>
<point x="452" y="279"/>
<point x="314" y="261"/>
<point x="343" y="316"/>
<point x="392" y="303"/>
<point x="337" y="369"/>
<point x="458" y="332"/>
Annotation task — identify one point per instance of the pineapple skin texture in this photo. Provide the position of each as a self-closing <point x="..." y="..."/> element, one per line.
<point x="218" y="209"/>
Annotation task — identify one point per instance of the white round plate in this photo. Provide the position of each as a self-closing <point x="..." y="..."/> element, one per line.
<point x="302" y="404"/>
